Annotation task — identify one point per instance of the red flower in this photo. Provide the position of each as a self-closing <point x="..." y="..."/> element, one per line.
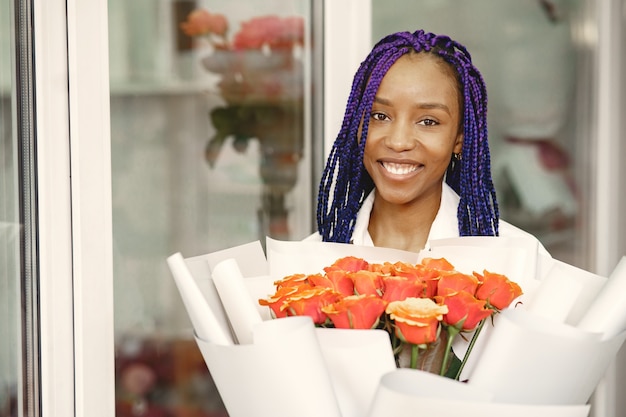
<point x="464" y="310"/>
<point x="272" y="31"/>
<point x="497" y="289"/>
<point x="356" y="312"/>
<point x="416" y="319"/>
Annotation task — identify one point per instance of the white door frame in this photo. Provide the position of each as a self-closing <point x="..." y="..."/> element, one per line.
<point x="74" y="202"/>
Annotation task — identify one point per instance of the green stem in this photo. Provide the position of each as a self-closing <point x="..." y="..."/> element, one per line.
<point x="469" y="348"/>
<point x="414" y="356"/>
<point x="452" y="332"/>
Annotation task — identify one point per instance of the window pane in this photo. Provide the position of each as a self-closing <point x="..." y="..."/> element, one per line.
<point x="209" y="151"/>
<point x="536" y="133"/>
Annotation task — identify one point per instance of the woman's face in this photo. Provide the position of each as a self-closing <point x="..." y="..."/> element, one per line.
<point x="413" y="129"/>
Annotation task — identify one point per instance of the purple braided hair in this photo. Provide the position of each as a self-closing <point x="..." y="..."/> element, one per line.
<point x="345" y="183"/>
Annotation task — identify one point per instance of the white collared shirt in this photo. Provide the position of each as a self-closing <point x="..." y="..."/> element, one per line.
<point x="445" y="225"/>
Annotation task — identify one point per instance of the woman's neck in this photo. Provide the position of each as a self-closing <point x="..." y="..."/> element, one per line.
<point x="405" y="226"/>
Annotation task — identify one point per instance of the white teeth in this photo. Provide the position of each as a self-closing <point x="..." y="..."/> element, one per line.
<point x="399" y="169"/>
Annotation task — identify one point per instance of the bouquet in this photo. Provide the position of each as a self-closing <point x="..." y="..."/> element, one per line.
<point x="422" y="306"/>
<point x="528" y="363"/>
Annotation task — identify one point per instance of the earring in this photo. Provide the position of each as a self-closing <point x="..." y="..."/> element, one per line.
<point x="456" y="156"/>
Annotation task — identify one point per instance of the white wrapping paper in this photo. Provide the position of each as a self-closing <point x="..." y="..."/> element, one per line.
<point x="281" y="374"/>
<point x="566" y="293"/>
<point x="203" y="319"/>
<point x="308" y="257"/>
<point x="356" y="359"/>
<point x="607" y="314"/>
<point x="533" y="361"/>
<point x="515" y="257"/>
<point x="240" y="308"/>
<point x="251" y="261"/>
<point x="410" y="393"/>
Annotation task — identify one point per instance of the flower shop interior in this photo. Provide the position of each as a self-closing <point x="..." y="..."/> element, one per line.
<point x="126" y="136"/>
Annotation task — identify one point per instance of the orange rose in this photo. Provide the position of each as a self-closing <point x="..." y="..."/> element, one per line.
<point x="355" y="312"/>
<point x="383" y="269"/>
<point x="367" y="282"/>
<point x="440" y="264"/>
<point x="454" y="281"/>
<point x="337" y="280"/>
<point x="276" y="301"/>
<point x="429" y="276"/>
<point x="309" y="302"/>
<point x="497" y="289"/>
<point x="399" y="288"/>
<point x="416" y="319"/>
<point x="348" y="263"/>
<point x="291" y="281"/>
<point x="464" y="310"/>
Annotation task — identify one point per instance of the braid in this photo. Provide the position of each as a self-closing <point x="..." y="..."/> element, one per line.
<point x="478" y="213"/>
<point x="345" y="183"/>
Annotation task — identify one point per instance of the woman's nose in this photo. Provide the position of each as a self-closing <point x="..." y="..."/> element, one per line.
<point x="400" y="137"/>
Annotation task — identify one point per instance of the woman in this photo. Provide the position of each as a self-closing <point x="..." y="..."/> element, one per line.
<point x="411" y="162"/>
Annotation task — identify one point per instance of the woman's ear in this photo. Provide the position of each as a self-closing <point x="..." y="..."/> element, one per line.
<point x="458" y="144"/>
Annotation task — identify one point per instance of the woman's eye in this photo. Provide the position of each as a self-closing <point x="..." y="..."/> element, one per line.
<point x="379" y="116"/>
<point x="428" y="122"/>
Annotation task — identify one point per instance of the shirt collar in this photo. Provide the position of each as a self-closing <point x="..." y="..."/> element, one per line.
<point x="445" y="224"/>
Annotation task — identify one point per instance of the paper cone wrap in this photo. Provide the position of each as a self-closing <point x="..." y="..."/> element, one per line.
<point x="607" y="314"/>
<point x="281" y="374"/>
<point x="410" y="393"/>
<point x="356" y="360"/>
<point x="532" y="361"/>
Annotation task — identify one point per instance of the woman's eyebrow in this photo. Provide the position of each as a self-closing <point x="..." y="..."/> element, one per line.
<point x="441" y="106"/>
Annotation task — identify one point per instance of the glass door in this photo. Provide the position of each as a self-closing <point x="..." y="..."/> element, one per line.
<point x="211" y="147"/>
<point x="11" y="273"/>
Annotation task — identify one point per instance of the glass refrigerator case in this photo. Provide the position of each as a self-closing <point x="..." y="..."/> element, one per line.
<point x="210" y="148"/>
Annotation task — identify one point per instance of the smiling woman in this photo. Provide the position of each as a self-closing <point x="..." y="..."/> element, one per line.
<point x="418" y="168"/>
<point x="412" y="134"/>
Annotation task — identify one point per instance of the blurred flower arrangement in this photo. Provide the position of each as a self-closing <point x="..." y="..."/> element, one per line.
<point x="424" y="307"/>
<point x="261" y="82"/>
